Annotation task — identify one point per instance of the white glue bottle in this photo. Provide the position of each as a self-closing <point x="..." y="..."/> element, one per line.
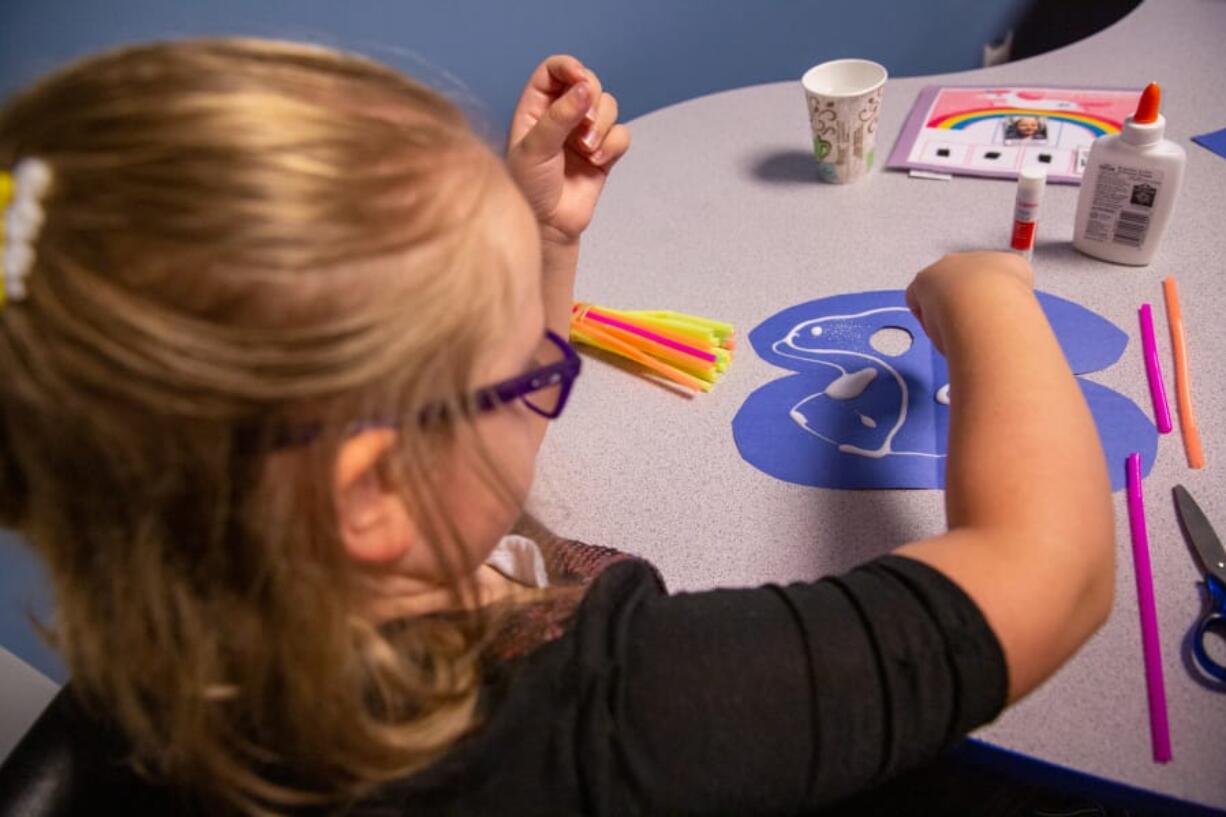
<point x="1129" y="188"/>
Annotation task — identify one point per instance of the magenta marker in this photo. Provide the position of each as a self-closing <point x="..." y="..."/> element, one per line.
<point x="1153" y="371"/>
<point x="1151" y="649"/>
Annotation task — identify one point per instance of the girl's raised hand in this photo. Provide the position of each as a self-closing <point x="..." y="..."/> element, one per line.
<point x="564" y="138"/>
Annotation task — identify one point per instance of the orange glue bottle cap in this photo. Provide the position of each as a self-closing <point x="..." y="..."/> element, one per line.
<point x="1147" y="108"/>
<point x="1146" y="126"/>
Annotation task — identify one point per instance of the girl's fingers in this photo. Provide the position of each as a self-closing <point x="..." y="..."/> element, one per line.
<point x="550" y="132"/>
<point x="551" y="80"/>
<point x="557" y="73"/>
<point x="615" y="145"/>
<point x="590" y="137"/>
<point x="599" y="90"/>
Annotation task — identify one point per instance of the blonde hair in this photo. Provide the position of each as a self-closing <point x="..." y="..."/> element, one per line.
<point x="243" y="237"/>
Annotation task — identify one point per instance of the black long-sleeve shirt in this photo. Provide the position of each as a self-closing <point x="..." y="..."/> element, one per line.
<point x="773" y="700"/>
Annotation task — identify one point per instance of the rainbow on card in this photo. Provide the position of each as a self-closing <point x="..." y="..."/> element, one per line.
<point x="1098" y="125"/>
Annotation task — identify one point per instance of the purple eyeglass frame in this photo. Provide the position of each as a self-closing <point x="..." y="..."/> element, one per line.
<point x="561" y="374"/>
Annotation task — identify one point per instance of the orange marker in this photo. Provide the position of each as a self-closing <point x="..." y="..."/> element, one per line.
<point x="1183" y="388"/>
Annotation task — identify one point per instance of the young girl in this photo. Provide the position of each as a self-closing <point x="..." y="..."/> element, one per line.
<point x="280" y="340"/>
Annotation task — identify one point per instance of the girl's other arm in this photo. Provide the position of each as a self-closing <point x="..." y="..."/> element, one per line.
<point x="1031" y="533"/>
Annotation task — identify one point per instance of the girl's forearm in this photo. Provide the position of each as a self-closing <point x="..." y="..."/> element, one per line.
<point x="1031" y="533"/>
<point x="559" y="261"/>
<point x="1024" y="451"/>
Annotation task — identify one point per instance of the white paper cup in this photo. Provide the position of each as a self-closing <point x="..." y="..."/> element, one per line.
<point x="844" y="100"/>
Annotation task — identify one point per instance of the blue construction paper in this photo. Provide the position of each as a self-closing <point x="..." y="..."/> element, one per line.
<point x="1215" y="141"/>
<point x="854" y="417"/>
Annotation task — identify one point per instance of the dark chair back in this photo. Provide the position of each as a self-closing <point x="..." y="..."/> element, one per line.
<point x="68" y="764"/>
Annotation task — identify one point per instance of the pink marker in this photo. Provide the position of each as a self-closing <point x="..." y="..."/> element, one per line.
<point x="1151" y="650"/>
<point x="1153" y="371"/>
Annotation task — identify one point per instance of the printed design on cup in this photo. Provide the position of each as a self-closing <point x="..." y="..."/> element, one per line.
<point x="844" y="132"/>
<point x="822" y="120"/>
<point x="857" y="414"/>
<point x="868" y="116"/>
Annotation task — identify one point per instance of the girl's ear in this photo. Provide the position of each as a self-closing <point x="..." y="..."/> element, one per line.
<point x="375" y="525"/>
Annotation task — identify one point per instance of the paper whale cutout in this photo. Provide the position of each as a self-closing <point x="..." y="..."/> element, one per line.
<point x="855" y="417"/>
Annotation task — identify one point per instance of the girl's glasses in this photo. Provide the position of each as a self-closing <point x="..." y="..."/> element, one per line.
<point x="544" y="388"/>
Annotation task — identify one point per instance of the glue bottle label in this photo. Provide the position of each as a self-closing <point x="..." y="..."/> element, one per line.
<point x="1025" y="222"/>
<point x="1023" y="235"/>
<point x="1123" y="204"/>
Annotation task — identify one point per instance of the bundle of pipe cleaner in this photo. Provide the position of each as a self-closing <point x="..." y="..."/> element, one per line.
<point x="684" y="349"/>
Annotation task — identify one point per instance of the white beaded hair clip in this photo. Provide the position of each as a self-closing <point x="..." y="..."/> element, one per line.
<point x="21" y="200"/>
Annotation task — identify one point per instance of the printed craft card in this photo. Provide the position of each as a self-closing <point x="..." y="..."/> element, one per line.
<point x="998" y="131"/>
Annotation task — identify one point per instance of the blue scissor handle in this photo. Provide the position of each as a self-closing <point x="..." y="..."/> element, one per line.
<point x="1214" y="621"/>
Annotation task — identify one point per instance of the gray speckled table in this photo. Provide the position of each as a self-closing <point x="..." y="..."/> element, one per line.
<point x="716" y="211"/>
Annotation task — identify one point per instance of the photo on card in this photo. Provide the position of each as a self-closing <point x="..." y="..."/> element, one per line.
<point x="1025" y="128"/>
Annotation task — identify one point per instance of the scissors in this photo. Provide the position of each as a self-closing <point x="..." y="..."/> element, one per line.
<point x="1213" y="562"/>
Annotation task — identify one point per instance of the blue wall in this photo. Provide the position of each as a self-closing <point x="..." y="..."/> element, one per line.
<point x="650" y="53"/>
<point x="25" y="592"/>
